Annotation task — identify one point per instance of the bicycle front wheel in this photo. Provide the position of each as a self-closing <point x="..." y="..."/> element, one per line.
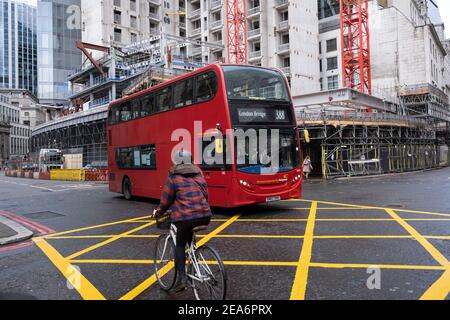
<point x="163" y="256"/>
<point x="209" y="282"/>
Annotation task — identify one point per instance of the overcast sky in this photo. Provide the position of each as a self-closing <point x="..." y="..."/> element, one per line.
<point x="444" y="8"/>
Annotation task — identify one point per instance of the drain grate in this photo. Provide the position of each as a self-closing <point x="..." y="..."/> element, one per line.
<point x="44" y="215"/>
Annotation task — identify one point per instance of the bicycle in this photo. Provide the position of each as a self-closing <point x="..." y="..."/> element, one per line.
<point x="204" y="268"/>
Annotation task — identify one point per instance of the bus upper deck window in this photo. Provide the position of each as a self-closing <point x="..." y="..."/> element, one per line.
<point x="206" y="86"/>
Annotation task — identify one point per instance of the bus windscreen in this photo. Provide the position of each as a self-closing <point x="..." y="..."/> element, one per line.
<point x="250" y="83"/>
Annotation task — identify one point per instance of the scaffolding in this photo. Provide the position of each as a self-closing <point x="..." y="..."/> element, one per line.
<point x="347" y="144"/>
<point x="426" y="101"/>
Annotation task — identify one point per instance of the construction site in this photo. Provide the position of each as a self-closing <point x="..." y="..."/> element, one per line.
<point x="386" y="116"/>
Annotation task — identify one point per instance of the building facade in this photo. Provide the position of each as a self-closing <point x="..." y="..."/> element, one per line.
<point x="19" y="134"/>
<point x="57" y="32"/>
<point x="18" y="45"/>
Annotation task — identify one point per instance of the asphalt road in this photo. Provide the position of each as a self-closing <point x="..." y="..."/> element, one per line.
<point x="323" y="248"/>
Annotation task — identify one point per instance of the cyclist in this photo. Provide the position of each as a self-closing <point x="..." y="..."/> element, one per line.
<point x="186" y="194"/>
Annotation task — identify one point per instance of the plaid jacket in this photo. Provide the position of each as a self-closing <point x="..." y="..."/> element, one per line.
<point x="186" y="196"/>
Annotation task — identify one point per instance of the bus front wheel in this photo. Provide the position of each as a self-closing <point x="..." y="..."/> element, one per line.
<point x="126" y="189"/>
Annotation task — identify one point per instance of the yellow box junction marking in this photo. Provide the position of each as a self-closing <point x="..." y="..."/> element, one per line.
<point x="439" y="290"/>
<point x="77" y="280"/>
<point x="301" y="277"/>
<point x="150" y="281"/>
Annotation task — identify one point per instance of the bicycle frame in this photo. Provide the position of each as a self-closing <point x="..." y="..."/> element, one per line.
<point x="190" y="254"/>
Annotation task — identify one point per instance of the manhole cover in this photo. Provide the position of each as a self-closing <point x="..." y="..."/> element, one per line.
<point x="43" y="215"/>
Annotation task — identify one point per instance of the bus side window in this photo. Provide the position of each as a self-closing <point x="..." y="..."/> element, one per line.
<point x="135" y="109"/>
<point x="184" y="93"/>
<point x="164" y="99"/>
<point x="148" y="103"/>
<point x="125" y="112"/>
<point x="206" y="86"/>
<point x="148" y="157"/>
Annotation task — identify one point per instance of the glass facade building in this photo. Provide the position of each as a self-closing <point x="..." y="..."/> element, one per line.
<point x="18" y="45"/>
<point x="57" y="53"/>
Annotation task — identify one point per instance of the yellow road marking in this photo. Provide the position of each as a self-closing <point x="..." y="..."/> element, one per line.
<point x="337" y="209"/>
<point x="278" y="264"/>
<point x="104" y="243"/>
<point x="93" y="227"/>
<point x="343" y="220"/>
<point x="78" y="281"/>
<point x="254" y="236"/>
<point x="372" y="207"/>
<point x="131" y="236"/>
<point x="421" y="239"/>
<point x="365" y="266"/>
<point x="112" y="261"/>
<point x="440" y="289"/>
<point x="150" y="281"/>
<point x="301" y="277"/>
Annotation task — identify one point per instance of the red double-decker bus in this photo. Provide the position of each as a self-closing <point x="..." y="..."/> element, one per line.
<point x="210" y="104"/>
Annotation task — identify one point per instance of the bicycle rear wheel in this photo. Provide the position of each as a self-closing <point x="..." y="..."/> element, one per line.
<point x="210" y="281"/>
<point x="164" y="254"/>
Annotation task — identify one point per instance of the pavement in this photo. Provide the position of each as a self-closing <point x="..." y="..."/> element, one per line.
<point x="381" y="238"/>
<point x="12" y="232"/>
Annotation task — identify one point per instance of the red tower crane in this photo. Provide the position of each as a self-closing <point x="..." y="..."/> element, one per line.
<point x="237" y="31"/>
<point x="355" y="44"/>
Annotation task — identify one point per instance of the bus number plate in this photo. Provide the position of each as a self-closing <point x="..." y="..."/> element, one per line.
<point x="273" y="199"/>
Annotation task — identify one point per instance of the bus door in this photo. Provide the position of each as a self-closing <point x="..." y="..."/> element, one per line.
<point x="216" y="167"/>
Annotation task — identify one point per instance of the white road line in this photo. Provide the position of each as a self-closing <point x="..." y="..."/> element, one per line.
<point x="66" y="187"/>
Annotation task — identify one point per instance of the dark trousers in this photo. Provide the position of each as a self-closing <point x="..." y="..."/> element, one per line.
<point x="184" y="237"/>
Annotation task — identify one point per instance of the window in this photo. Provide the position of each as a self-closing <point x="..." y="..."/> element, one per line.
<point x="125" y="112"/>
<point x="148" y="105"/>
<point x="164" y="99"/>
<point x="184" y="93"/>
<point x="331" y="45"/>
<point x="254" y="84"/>
<point x="135" y="109"/>
<point x="206" y="86"/>
<point x="117" y="35"/>
<point x="133" y="22"/>
<point x="148" y="157"/>
<point x="133" y="5"/>
<point x="117" y="3"/>
<point x="332" y="63"/>
<point x="117" y="17"/>
<point x="333" y="82"/>
<point x="140" y="157"/>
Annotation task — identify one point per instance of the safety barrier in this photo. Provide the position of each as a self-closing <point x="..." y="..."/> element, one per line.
<point x="96" y="175"/>
<point x="44" y="175"/>
<point x="67" y="175"/>
<point x="62" y="175"/>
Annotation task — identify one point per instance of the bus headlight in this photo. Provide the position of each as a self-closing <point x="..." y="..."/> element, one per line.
<point x="245" y="184"/>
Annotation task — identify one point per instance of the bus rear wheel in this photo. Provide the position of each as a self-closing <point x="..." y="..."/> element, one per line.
<point x="126" y="189"/>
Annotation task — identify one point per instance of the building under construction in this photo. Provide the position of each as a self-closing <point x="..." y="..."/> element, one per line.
<point x="345" y="143"/>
